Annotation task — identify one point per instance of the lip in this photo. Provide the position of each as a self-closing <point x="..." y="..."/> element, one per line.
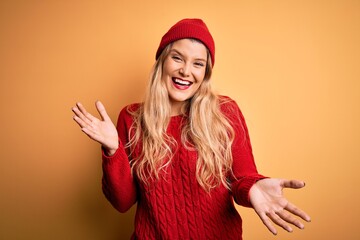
<point x="180" y="86"/>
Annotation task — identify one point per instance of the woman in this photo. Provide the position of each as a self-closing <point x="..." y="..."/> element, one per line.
<point x="184" y="154"/>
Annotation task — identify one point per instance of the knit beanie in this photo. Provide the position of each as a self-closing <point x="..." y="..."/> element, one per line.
<point x="189" y="28"/>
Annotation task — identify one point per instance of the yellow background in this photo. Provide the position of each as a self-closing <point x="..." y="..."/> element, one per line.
<point x="292" y="66"/>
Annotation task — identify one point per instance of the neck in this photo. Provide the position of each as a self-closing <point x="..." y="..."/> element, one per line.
<point x="176" y="108"/>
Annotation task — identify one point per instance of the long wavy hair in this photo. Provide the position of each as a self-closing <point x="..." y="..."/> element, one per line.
<point x="206" y="130"/>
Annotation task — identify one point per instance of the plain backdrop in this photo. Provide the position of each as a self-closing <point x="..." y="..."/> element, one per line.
<point x="292" y="66"/>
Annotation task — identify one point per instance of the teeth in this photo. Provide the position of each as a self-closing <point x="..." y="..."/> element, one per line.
<point x="179" y="81"/>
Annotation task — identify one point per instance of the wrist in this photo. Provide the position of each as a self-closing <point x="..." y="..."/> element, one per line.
<point x="109" y="152"/>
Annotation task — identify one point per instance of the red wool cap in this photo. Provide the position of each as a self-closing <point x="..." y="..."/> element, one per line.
<point x="189" y="28"/>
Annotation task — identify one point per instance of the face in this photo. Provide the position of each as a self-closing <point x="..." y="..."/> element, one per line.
<point x="184" y="71"/>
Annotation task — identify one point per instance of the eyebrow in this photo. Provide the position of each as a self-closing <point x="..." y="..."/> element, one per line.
<point x="176" y="51"/>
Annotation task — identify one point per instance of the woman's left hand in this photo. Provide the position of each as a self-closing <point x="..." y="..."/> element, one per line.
<point x="266" y="197"/>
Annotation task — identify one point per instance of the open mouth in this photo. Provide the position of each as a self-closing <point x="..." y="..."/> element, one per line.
<point x="181" y="83"/>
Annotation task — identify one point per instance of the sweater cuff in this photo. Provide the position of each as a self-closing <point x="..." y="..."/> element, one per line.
<point x="107" y="158"/>
<point x="241" y="191"/>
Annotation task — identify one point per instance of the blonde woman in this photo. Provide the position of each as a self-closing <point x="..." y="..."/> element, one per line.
<point x="184" y="154"/>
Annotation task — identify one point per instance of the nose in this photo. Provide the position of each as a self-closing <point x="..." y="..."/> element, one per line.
<point x="185" y="70"/>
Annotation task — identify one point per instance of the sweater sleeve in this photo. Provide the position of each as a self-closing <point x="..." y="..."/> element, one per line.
<point x="245" y="174"/>
<point x="118" y="184"/>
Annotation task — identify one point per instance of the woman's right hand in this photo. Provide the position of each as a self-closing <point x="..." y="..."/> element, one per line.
<point x="102" y="131"/>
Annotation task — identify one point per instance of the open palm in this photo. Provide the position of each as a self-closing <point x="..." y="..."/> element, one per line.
<point x="268" y="201"/>
<point x="101" y="130"/>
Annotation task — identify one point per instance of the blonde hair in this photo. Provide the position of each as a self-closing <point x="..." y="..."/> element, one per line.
<point x="206" y="130"/>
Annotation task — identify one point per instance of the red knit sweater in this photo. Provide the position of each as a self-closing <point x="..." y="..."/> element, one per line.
<point x="175" y="206"/>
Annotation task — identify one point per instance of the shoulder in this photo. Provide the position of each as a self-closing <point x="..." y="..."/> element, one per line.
<point x="128" y="109"/>
<point x="231" y="111"/>
<point x="228" y="105"/>
<point x="127" y="112"/>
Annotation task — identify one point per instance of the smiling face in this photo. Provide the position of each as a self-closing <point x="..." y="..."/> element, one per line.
<point x="183" y="71"/>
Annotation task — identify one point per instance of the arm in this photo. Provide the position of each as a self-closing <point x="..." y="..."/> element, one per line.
<point x="244" y="168"/>
<point x="117" y="183"/>
<point x="253" y="190"/>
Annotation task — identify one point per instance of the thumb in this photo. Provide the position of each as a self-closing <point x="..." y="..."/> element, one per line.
<point x="293" y="184"/>
<point x="101" y="109"/>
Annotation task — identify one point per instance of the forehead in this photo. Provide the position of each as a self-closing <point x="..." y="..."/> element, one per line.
<point x="190" y="48"/>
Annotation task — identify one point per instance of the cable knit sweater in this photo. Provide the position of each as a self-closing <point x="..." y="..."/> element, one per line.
<point x="175" y="206"/>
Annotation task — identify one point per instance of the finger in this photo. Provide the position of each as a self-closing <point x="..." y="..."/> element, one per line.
<point x="76" y="111"/>
<point x="91" y="134"/>
<point x="81" y="116"/>
<point x="267" y="222"/>
<point x="101" y="109"/>
<point x="79" y="121"/>
<point x="286" y="216"/>
<point x="278" y="221"/>
<point x="84" y="112"/>
<point x="298" y="212"/>
<point x="292" y="184"/>
<point x="88" y="129"/>
<point x="85" y="123"/>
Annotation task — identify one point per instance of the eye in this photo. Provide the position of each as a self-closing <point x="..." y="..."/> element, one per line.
<point x="176" y="58"/>
<point x="199" y="64"/>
